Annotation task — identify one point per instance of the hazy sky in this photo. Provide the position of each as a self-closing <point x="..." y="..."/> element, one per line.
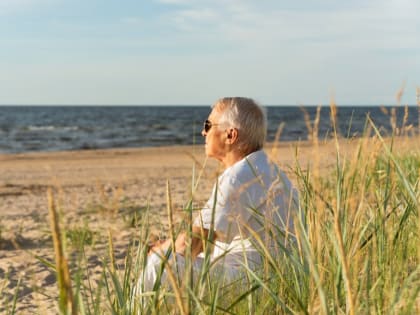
<point x="195" y="51"/>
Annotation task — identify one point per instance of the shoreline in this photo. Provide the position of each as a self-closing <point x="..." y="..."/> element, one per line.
<point x="192" y="147"/>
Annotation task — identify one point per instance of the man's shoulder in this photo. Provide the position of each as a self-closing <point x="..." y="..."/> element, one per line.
<point x="252" y="166"/>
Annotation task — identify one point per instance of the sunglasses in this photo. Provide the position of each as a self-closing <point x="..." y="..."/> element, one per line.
<point x="207" y="125"/>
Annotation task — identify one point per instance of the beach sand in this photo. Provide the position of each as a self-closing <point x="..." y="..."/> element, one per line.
<point x="99" y="191"/>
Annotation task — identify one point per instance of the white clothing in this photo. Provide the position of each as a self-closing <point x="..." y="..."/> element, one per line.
<point x="250" y="197"/>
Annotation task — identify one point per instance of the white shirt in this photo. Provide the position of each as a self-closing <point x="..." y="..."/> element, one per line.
<point x="250" y="198"/>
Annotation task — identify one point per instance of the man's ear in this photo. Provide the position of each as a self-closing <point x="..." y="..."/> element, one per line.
<point x="232" y="135"/>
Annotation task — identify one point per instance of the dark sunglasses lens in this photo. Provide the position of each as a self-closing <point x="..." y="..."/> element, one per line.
<point x="207" y="125"/>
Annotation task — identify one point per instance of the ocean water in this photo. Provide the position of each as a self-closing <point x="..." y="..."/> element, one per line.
<point x="57" y="128"/>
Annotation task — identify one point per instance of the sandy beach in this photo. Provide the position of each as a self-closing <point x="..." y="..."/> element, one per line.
<point x="99" y="190"/>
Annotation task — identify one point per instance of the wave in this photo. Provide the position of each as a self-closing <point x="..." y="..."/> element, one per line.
<point x="51" y="128"/>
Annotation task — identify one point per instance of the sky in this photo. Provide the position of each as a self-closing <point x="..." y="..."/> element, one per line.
<point x="192" y="52"/>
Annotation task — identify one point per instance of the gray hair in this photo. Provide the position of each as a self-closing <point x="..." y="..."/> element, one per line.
<point x="248" y="117"/>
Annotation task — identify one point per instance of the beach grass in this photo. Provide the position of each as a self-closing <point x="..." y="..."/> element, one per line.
<point x="359" y="252"/>
<point x="356" y="248"/>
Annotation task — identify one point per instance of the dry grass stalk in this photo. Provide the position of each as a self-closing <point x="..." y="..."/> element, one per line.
<point x="345" y="264"/>
<point x="384" y="110"/>
<point x="170" y="217"/>
<point x="333" y="117"/>
<point x="393" y="120"/>
<point x="313" y="128"/>
<point x="308" y="122"/>
<point x="398" y="97"/>
<point x="315" y="131"/>
<point x="343" y="257"/>
<point x="111" y="251"/>
<point x="173" y="264"/>
<point x="63" y="274"/>
<point x="404" y="129"/>
<point x="182" y="308"/>
<point x="400" y="94"/>
<point x="404" y="126"/>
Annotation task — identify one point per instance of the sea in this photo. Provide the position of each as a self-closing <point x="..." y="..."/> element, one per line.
<point x="59" y="128"/>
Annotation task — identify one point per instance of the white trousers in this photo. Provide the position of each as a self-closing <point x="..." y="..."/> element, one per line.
<point x="156" y="271"/>
<point x="226" y="269"/>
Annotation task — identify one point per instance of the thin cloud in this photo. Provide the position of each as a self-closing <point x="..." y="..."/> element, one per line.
<point x="350" y="26"/>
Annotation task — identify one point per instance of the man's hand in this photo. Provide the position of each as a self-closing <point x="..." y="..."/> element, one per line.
<point x="199" y="236"/>
<point x="158" y="246"/>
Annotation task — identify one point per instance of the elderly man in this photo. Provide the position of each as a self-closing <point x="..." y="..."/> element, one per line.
<point x="252" y="202"/>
